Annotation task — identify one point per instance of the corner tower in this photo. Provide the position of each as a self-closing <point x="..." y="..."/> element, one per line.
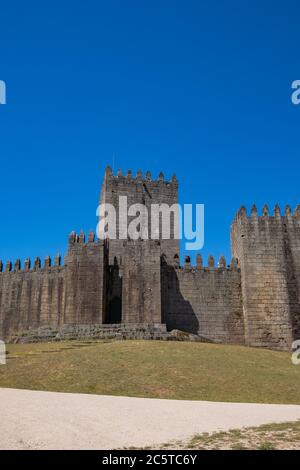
<point x="268" y="251"/>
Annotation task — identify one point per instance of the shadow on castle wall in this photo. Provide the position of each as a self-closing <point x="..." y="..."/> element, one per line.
<point x="177" y="312"/>
<point x="114" y="285"/>
<point x="292" y="286"/>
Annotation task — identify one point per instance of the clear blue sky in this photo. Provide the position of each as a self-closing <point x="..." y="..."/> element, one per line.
<point x="199" y="88"/>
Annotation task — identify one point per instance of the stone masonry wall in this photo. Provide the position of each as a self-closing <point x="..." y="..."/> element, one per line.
<point x="255" y="301"/>
<point x="90" y="332"/>
<point x="143" y="191"/>
<point x="31" y="297"/>
<point x="205" y="301"/>
<point x="141" y="293"/>
<point x="85" y="280"/>
<point x="54" y="295"/>
<point x="268" y="250"/>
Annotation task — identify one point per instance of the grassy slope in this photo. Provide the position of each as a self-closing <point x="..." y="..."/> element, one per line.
<point x="178" y="370"/>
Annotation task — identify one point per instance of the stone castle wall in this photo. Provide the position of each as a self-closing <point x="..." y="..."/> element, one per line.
<point x="141" y="294"/>
<point x="85" y="280"/>
<point x="29" y="298"/>
<point x="204" y="300"/>
<point x="254" y="301"/>
<point x="268" y="250"/>
<point x="37" y="295"/>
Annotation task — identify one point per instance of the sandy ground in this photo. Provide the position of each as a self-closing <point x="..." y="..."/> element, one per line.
<point x="47" y="420"/>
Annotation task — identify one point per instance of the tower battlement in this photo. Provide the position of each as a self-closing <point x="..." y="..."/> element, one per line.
<point x="139" y="178"/>
<point x="265" y="215"/>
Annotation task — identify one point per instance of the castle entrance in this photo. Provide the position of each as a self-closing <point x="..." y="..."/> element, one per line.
<point x="114" y="314"/>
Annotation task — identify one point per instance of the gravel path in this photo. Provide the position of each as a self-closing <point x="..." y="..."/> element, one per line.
<point x="48" y="420"/>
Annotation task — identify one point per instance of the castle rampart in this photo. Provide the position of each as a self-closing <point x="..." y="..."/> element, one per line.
<point x="31" y="297"/>
<point x="204" y="300"/>
<point x="54" y="295"/>
<point x="255" y="300"/>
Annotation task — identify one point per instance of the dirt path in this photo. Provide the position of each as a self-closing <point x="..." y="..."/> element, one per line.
<point x="47" y="420"/>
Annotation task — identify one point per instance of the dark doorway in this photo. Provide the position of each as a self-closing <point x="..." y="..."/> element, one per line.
<point x="115" y="310"/>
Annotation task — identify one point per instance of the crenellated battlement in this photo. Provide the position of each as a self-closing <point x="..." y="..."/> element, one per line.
<point x="81" y="238"/>
<point x="29" y="267"/>
<point x="275" y="215"/>
<point x="139" y="178"/>
<point x="211" y="265"/>
<point x="48" y="264"/>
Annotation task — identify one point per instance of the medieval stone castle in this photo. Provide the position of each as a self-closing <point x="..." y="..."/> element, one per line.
<point x="127" y="285"/>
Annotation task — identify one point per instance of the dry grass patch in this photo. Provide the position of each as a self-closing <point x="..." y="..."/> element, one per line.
<point x="154" y="369"/>
<point x="278" y="436"/>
